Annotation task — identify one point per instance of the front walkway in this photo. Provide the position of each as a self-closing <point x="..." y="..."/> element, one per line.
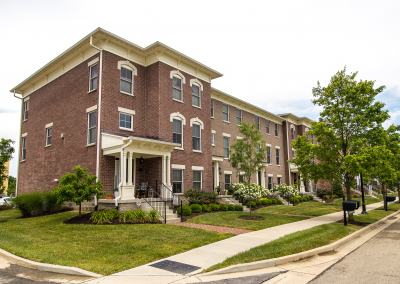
<point x="206" y="256"/>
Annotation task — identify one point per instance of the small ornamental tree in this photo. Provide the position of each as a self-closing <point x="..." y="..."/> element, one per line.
<point x="248" y="152"/>
<point x="78" y="187"/>
<point x="6" y="151"/>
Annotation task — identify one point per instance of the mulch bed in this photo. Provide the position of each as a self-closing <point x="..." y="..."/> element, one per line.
<point x="252" y="218"/>
<point x="85" y="220"/>
<point x="47" y="213"/>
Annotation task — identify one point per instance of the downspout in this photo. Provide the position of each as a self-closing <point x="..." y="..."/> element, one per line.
<point x="98" y="118"/>
<point x="122" y="162"/>
<point x="19" y="148"/>
<point x="287" y="140"/>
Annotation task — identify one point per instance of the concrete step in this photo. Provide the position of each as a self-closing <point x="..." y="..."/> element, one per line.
<point x="173" y="221"/>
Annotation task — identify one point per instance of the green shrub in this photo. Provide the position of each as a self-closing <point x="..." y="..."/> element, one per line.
<point x="30" y="204"/>
<point x="238" y="208"/>
<point x="153" y="216"/>
<point x="114" y="214"/>
<point x="264" y="201"/>
<point x="214" y="207"/>
<point x="197" y="196"/>
<point x="356" y="195"/>
<point x="278" y="201"/>
<point x="291" y="199"/>
<point x="269" y="201"/>
<point x="206" y="208"/>
<point x="253" y="204"/>
<point x="50" y="201"/>
<point x="311" y="197"/>
<point x="140" y="215"/>
<point x="184" y="210"/>
<point x="128" y="216"/>
<point x="273" y="201"/>
<point x="258" y="203"/>
<point x="196" y="208"/>
<point x="223" y="207"/>
<point x="231" y="207"/>
<point x="102" y="217"/>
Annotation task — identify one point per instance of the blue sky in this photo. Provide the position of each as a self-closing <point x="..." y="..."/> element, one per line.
<point x="272" y="53"/>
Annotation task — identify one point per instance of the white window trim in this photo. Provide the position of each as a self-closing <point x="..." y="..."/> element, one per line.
<point x="197" y="168"/>
<point x="183" y="189"/>
<point x="129" y="66"/>
<point x="279" y="176"/>
<point x="212" y="139"/>
<point x="26" y="99"/>
<point x="200" y="89"/>
<point x="198" y="121"/>
<point x="125" y="111"/>
<point x="227" y="173"/>
<point x="191" y="125"/>
<point x="213" y="110"/>
<point x="213" y="131"/>
<point x="23" y="136"/>
<point x="241" y="115"/>
<point x="223" y="113"/>
<point x="201" y="178"/>
<point x="226" y="135"/>
<point x="277" y="147"/>
<point x="259" y="122"/>
<point x="92" y="64"/>
<point x="177" y="74"/>
<point x="229" y="148"/>
<point x="50" y="125"/>
<point x="195" y="81"/>
<point x="177" y="167"/>
<point x="88" y="125"/>
<point x="26" y="103"/>
<point x="91" y="109"/>
<point x="238" y="137"/>
<point x="270" y="175"/>
<point x="178" y="116"/>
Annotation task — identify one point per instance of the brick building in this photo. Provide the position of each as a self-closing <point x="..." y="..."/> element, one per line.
<point x="106" y="100"/>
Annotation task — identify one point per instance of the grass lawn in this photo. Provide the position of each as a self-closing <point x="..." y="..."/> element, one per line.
<point x="103" y="249"/>
<point x="304" y="240"/>
<point x="305" y="208"/>
<point x="230" y="219"/>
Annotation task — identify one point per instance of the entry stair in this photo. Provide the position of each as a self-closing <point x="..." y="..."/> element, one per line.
<point x="230" y="199"/>
<point x="157" y="204"/>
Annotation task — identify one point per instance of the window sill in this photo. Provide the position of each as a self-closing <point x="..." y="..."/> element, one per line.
<point x="24" y="120"/>
<point x="177" y="100"/>
<point x="226" y="158"/>
<point x="267" y="134"/>
<point x="276" y="136"/>
<point x="196" y="107"/>
<point x="197" y="151"/>
<point x="212" y="117"/>
<point x="181" y="149"/>
<point x="225" y="121"/>
<point x="47" y="146"/>
<point x="125" y="93"/>
<point x="278" y="165"/>
<point x="22" y="161"/>
<point x="92" y="91"/>
<point x="89" y="145"/>
<point x="126" y="129"/>
<point x="213" y="145"/>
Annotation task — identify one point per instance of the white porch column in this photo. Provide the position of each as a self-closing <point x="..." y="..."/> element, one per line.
<point x="164" y="166"/>
<point x="263" y="177"/>
<point x="216" y="174"/>
<point x="123" y="166"/>
<point x="302" y="188"/>
<point x="168" y="170"/>
<point x="134" y="171"/>
<point x="129" y="168"/>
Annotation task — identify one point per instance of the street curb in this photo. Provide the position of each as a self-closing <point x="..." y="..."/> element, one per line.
<point x="46" y="267"/>
<point x="298" y="256"/>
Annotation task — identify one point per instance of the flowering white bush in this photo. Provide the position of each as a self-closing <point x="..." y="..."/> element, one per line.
<point x="256" y="191"/>
<point x="285" y="190"/>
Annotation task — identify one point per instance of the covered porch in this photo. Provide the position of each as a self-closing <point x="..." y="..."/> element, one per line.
<point x="147" y="162"/>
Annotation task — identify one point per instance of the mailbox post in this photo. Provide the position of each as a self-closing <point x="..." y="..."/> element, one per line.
<point x="364" y="209"/>
<point x="350" y="205"/>
<point x="389" y="199"/>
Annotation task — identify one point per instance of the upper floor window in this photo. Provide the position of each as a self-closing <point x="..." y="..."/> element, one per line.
<point x="226" y="147"/>
<point x="276" y="130"/>
<point x="196" y="136"/>
<point x="267" y="126"/>
<point x="196" y="95"/>
<point x="177" y="131"/>
<point x="225" y="112"/>
<point x="294" y="153"/>
<point x="212" y="108"/>
<point x="278" y="161"/>
<point x="177" y="88"/>
<point x="26" y="109"/>
<point x="213" y="139"/>
<point x="292" y="131"/>
<point x="91" y="128"/>
<point x="238" y="116"/>
<point x="23" y="154"/>
<point x="94" y="76"/>
<point x="126" y="85"/>
<point x="49" y="134"/>
<point x="125" y="121"/>
<point x="257" y="122"/>
<point x="269" y="155"/>
<point x="312" y="139"/>
<point x="196" y="179"/>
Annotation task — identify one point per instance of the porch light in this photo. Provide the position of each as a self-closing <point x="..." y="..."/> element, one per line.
<point x="219" y="169"/>
<point x="141" y="160"/>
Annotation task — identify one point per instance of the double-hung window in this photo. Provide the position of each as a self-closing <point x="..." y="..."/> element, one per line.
<point x="226" y="147"/>
<point x="258" y="122"/>
<point x="212" y="108"/>
<point x="125" y="121"/>
<point x="277" y="157"/>
<point x="49" y="133"/>
<point x="213" y="139"/>
<point x="292" y="129"/>
<point x="177" y="88"/>
<point x="270" y="183"/>
<point x="94" y="77"/>
<point x="23" y="154"/>
<point x="238" y="116"/>
<point x="312" y="139"/>
<point x="177" y="131"/>
<point x="196" y="179"/>
<point x="279" y="180"/>
<point x="196" y="95"/>
<point x="276" y="130"/>
<point x="91" y="128"/>
<point x="177" y="181"/>
<point x="225" y="112"/>
<point x="267" y="126"/>
<point x="269" y="155"/>
<point x="126" y="80"/>
<point x="196" y="137"/>
<point x="241" y="178"/>
<point x="294" y="153"/>
<point x="26" y="109"/>
<point x="227" y="180"/>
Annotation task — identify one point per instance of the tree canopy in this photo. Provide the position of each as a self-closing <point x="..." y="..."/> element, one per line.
<point x="6" y="151"/>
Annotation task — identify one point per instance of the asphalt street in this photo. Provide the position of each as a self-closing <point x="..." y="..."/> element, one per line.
<point x="376" y="261"/>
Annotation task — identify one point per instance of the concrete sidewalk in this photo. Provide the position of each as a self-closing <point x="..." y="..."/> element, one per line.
<point x="204" y="257"/>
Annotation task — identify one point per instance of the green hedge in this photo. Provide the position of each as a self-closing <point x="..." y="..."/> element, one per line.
<point x="34" y="204"/>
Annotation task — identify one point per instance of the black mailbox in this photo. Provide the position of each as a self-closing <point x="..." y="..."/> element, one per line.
<point x="390" y="198"/>
<point x="350" y="205"/>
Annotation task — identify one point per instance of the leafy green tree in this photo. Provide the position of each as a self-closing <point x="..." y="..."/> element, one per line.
<point x="6" y="151"/>
<point x="12" y="181"/>
<point x="249" y="152"/>
<point x="350" y="120"/>
<point x="78" y="187"/>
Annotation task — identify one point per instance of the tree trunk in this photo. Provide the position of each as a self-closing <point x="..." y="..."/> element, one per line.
<point x="80" y="207"/>
<point x="398" y="191"/>
<point x="384" y="197"/>
<point x="347" y="184"/>
<point x="249" y="196"/>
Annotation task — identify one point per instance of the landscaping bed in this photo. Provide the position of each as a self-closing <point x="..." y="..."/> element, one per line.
<point x="85" y="220"/>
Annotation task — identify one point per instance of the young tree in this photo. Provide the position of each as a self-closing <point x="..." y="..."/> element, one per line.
<point x="249" y="152"/>
<point x="78" y="187"/>
<point x="349" y="121"/>
<point x="6" y="151"/>
<point x="12" y="181"/>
